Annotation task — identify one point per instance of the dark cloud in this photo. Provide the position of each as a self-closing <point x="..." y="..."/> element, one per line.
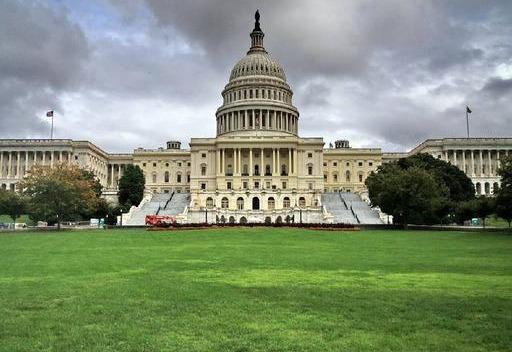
<point x="41" y="55"/>
<point x="388" y="73"/>
<point x="497" y="87"/>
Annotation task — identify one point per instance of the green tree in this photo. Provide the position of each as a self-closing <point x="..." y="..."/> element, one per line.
<point x="12" y="204"/>
<point x="460" y="187"/>
<point x="59" y="193"/>
<point x="504" y="194"/>
<point x="485" y="206"/>
<point x="131" y="186"/>
<point x="465" y="210"/>
<point x="411" y="195"/>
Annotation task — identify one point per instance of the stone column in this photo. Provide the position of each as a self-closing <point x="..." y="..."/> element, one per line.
<point x="490" y="161"/>
<point x="253" y="119"/>
<point x="222" y="161"/>
<point x="445" y="155"/>
<point x="250" y="161"/>
<point x="246" y="119"/>
<point x="464" y="161"/>
<point x="52" y="154"/>
<point x="273" y="161"/>
<point x="235" y="163"/>
<point x="26" y="162"/>
<point x="217" y="161"/>
<point x="262" y="166"/>
<point x="481" y="164"/>
<point x="1" y="164"/>
<point x="472" y="163"/>
<point x="278" y="162"/>
<point x="60" y="157"/>
<point x="289" y="161"/>
<point x="9" y="164"/>
<point x="498" y="162"/>
<point x="18" y="164"/>
<point x="118" y="173"/>
<point x="295" y="163"/>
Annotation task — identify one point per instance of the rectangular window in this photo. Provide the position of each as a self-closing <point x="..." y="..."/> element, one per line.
<point x="256" y="184"/>
<point x="334" y="163"/>
<point x="245" y="185"/>
<point x="310" y="185"/>
<point x="284" y="185"/>
<point x="203" y="155"/>
<point x="203" y="185"/>
<point x="360" y="178"/>
<point x="267" y="185"/>
<point x="179" y="164"/>
<point x="154" y="164"/>
<point x="310" y="155"/>
<point x="360" y="163"/>
<point x="229" y="185"/>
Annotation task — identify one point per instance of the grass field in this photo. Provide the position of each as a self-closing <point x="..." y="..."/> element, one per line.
<point x="261" y="289"/>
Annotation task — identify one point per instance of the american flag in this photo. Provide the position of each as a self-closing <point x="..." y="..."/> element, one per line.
<point x="49" y="113"/>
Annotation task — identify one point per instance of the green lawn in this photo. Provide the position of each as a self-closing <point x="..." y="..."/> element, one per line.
<point x="261" y="289"/>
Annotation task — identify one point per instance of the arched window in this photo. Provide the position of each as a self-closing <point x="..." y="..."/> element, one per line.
<point x="178" y="177"/>
<point x="360" y="177"/>
<point x="245" y="170"/>
<point x="286" y="202"/>
<point x="230" y="170"/>
<point x="209" y="202"/>
<point x="271" y="205"/>
<point x="203" y="169"/>
<point x="256" y="170"/>
<point x="478" y="188"/>
<point x="267" y="170"/>
<point x="224" y="203"/>
<point x="302" y="202"/>
<point x="487" y="188"/>
<point x="347" y="176"/>
<point x="240" y="203"/>
<point x="154" y="177"/>
<point x="166" y="176"/>
<point x="188" y="177"/>
<point x="335" y="177"/>
<point x="495" y="187"/>
<point x="310" y="169"/>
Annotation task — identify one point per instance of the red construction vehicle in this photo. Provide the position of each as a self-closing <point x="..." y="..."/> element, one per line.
<point x="160" y="220"/>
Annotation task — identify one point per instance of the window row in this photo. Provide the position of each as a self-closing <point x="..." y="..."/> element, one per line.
<point x="257" y="119"/>
<point x="258" y="93"/>
<point x="254" y="203"/>
<point x="359" y="163"/>
<point x="167" y="177"/>
<point x="348" y="177"/>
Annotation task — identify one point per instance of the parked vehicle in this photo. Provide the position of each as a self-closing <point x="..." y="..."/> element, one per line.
<point x="160" y="220"/>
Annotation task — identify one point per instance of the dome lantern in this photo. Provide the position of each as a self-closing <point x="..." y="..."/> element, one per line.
<point x="257" y="36"/>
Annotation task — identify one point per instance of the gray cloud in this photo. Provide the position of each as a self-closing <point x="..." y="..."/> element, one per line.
<point x="41" y="55"/>
<point x="388" y="73"/>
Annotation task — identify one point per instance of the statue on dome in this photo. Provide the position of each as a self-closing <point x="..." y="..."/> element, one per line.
<point x="257" y="18"/>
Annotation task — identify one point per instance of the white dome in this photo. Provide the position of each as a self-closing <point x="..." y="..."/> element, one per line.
<point x="257" y="64"/>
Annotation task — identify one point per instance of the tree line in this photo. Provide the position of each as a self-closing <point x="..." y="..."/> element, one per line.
<point x="421" y="189"/>
<point x="69" y="193"/>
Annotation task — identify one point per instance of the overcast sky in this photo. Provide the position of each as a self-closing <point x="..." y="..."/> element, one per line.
<point x="127" y="74"/>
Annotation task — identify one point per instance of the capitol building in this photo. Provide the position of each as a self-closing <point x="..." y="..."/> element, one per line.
<point x="257" y="168"/>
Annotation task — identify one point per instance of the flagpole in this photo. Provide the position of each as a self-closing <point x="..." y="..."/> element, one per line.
<point x="467" y="121"/>
<point x="51" y="133"/>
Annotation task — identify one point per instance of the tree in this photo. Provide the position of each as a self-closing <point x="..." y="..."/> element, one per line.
<point x="460" y="187"/>
<point x="59" y="193"/>
<point x="411" y="195"/>
<point x="465" y="210"/>
<point x="504" y="196"/>
<point x="484" y="206"/>
<point x="12" y="204"/>
<point x="131" y="186"/>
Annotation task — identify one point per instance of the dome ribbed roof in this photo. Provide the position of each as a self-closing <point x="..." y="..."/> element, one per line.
<point x="257" y="64"/>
